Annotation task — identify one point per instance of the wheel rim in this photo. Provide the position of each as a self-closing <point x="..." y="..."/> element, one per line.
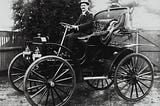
<point x="16" y="71"/>
<point x="52" y="85"/>
<point x="134" y="77"/>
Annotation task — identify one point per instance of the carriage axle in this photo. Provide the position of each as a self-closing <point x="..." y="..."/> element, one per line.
<point x="95" y="78"/>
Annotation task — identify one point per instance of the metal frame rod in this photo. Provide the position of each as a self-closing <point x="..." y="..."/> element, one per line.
<point x="62" y="40"/>
<point x="94" y="78"/>
<point x="137" y="41"/>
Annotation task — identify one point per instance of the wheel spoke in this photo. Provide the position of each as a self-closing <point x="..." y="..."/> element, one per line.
<point x="133" y="62"/>
<point x="93" y="81"/>
<point x="19" y="69"/>
<point x="58" y="94"/>
<point x="143" y="84"/>
<point x="97" y="83"/>
<point x="64" y="79"/>
<point x="102" y="83"/>
<point x="140" y="88"/>
<point x="33" y="80"/>
<point x="17" y="74"/>
<point x="44" y="93"/>
<point x="136" y="90"/>
<point x="140" y="71"/>
<point x="143" y="74"/>
<point x="125" y="70"/>
<point x="121" y="74"/>
<point x="144" y="79"/>
<point x="26" y="61"/>
<point x="52" y="97"/>
<point x="62" y="74"/>
<point x="127" y="89"/>
<point x="20" y="78"/>
<point x="57" y="71"/>
<point x="124" y="80"/>
<point x="20" y="84"/>
<point x="38" y="92"/>
<point x="48" y="91"/>
<point x="124" y="86"/>
<point x="19" y="63"/>
<point x="64" y="85"/>
<point x="106" y="81"/>
<point x="128" y="67"/>
<point x="132" y="91"/>
<point x="39" y="76"/>
<point x="141" y="66"/>
<point x="136" y="62"/>
<point x="62" y="91"/>
<point x="35" y="87"/>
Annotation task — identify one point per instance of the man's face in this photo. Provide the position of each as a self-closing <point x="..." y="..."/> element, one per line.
<point x="114" y="1"/>
<point x="84" y="7"/>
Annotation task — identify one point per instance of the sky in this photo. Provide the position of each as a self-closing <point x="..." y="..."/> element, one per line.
<point x="6" y="21"/>
<point x="146" y="15"/>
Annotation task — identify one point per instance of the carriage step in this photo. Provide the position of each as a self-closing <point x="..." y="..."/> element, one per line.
<point x="97" y="77"/>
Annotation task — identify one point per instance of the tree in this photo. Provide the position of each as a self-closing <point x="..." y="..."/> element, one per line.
<point x="43" y="16"/>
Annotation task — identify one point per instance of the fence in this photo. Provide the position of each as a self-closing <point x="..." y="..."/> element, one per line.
<point x="152" y="52"/>
<point x="10" y="45"/>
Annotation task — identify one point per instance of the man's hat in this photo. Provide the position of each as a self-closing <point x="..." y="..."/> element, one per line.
<point x="84" y="1"/>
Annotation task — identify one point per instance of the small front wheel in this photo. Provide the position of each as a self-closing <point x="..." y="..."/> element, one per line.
<point x="49" y="81"/>
<point x="134" y="77"/>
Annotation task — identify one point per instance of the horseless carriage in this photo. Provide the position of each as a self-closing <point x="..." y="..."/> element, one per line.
<point x="47" y="73"/>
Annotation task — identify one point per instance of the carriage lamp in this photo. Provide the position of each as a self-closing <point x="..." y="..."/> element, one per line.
<point x="36" y="54"/>
<point x="27" y="53"/>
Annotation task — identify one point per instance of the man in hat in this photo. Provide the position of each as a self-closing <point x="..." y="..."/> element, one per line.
<point x="83" y="26"/>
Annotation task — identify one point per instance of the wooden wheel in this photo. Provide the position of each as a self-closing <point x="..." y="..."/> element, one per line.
<point x="16" y="71"/>
<point x="134" y="77"/>
<point x="49" y="81"/>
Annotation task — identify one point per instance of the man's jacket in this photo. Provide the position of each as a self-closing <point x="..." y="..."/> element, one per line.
<point x="85" y="23"/>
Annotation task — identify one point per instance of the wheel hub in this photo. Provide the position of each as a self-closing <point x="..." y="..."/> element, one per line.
<point x="51" y="83"/>
<point x="133" y="78"/>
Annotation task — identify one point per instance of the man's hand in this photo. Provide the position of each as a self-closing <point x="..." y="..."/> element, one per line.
<point x="75" y="27"/>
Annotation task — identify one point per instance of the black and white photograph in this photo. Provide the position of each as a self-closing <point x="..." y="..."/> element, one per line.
<point x="79" y="52"/>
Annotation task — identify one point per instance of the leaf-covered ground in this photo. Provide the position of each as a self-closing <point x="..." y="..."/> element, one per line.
<point x="83" y="96"/>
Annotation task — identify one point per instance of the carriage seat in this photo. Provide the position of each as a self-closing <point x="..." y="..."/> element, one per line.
<point x="108" y="30"/>
<point x="120" y="23"/>
<point x="114" y="26"/>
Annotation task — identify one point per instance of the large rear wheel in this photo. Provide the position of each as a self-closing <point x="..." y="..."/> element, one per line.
<point x="49" y="81"/>
<point x="134" y="77"/>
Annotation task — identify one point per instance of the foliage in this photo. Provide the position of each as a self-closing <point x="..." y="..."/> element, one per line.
<point x="43" y="16"/>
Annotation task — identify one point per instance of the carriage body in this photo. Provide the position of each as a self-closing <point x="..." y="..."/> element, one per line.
<point x="51" y="71"/>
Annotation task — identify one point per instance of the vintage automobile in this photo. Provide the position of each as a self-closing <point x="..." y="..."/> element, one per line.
<point x="47" y="73"/>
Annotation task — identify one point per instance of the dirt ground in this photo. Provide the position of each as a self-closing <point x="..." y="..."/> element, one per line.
<point x="83" y="96"/>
